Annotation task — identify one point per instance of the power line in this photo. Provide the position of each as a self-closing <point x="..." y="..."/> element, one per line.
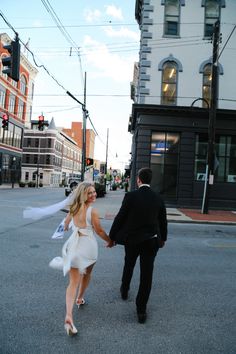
<point x="39" y="66"/>
<point x="110" y="24"/>
<point x="64" y="32"/>
<point x="226" y="42"/>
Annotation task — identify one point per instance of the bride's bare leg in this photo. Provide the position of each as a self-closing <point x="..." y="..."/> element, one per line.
<point x="84" y="283"/>
<point x="71" y="293"/>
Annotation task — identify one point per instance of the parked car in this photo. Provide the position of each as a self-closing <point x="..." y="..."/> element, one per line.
<point x="72" y="183"/>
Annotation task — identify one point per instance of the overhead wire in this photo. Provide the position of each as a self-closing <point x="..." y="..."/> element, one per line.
<point x="64" y="32"/>
<point x="37" y="65"/>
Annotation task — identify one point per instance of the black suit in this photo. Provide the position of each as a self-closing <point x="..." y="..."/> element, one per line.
<point x="141" y="217"/>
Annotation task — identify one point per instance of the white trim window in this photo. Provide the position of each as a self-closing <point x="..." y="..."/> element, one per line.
<point x="23" y="84"/>
<point x="11" y="104"/>
<point x="172" y="18"/>
<point x="20" y="109"/>
<point x="212" y="14"/>
<point x="2" y="96"/>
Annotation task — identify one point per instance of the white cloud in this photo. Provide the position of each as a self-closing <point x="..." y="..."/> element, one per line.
<point x="109" y="64"/>
<point x="113" y="11"/>
<point x="123" y="32"/>
<point x="92" y="15"/>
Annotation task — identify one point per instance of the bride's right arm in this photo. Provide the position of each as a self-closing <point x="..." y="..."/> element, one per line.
<point x="97" y="226"/>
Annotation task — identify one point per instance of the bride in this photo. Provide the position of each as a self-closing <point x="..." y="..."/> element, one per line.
<point x="80" y="251"/>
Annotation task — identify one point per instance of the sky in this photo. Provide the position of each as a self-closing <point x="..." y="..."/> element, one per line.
<point x="99" y="38"/>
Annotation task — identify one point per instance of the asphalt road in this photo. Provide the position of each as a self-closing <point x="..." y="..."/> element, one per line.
<point x="192" y="308"/>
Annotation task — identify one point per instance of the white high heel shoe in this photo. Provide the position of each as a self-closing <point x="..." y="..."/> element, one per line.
<point x="70" y="329"/>
<point x="81" y="303"/>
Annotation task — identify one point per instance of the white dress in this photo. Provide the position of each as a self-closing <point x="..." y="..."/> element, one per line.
<point x="80" y="250"/>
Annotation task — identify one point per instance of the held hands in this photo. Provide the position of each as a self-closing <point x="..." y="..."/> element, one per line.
<point x="110" y="243"/>
<point x="161" y="243"/>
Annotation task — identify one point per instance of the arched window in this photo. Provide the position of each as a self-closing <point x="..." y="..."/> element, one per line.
<point x="206" y="71"/>
<point x="23" y="85"/>
<point x="169" y="83"/>
<point x="206" y="86"/>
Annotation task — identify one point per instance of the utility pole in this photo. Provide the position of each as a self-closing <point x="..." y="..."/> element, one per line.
<point x="84" y="132"/>
<point x="105" y="169"/>
<point x="212" y="118"/>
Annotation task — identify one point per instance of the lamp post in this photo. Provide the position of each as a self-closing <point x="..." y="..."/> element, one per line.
<point x="13" y="171"/>
<point x="206" y="189"/>
<point x="210" y="166"/>
<point x="212" y="116"/>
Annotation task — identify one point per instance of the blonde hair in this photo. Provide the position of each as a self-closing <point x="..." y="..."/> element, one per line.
<point x="80" y="196"/>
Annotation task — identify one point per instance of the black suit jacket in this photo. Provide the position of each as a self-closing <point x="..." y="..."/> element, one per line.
<point x="141" y="216"/>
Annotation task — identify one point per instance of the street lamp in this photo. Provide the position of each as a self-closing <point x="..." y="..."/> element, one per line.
<point x="204" y="209"/>
<point x="13" y="171"/>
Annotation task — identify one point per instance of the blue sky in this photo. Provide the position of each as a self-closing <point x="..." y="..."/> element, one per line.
<point x="107" y="36"/>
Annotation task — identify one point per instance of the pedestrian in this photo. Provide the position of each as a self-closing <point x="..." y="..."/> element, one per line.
<point x="126" y="185"/>
<point x="141" y="225"/>
<point x="80" y="251"/>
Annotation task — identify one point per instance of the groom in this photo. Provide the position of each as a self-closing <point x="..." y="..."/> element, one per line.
<point x="141" y="225"/>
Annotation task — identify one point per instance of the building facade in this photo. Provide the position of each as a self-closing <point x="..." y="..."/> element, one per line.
<point x="49" y="156"/>
<point x="16" y="101"/>
<point x="76" y="133"/>
<point x="172" y="100"/>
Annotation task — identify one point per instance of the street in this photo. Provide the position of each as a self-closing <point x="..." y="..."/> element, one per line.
<point x="192" y="307"/>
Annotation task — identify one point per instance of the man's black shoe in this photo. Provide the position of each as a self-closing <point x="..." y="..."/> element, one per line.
<point x="142" y="317"/>
<point x="124" y="293"/>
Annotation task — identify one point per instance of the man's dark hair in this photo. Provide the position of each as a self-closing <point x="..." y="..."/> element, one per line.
<point x="145" y="175"/>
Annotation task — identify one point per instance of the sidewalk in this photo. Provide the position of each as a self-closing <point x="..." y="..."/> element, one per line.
<point x="110" y="205"/>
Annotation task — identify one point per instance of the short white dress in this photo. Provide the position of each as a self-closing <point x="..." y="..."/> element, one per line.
<point x="80" y="250"/>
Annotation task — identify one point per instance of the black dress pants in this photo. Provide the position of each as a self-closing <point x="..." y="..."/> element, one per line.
<point x="147" y="251"/>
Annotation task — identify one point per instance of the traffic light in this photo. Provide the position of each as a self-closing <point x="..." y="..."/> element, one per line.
<point x="5" y="121"/>
<point x="12" y="62"/>
<point x="41" y="122"/>
<point x="89" y="162"/>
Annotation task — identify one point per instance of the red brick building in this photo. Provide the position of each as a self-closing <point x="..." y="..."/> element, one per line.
<point x="76" y="132"/>
<point x="16" y="101"/>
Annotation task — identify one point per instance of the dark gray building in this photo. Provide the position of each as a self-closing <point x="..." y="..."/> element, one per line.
<point x="174" y="73"/>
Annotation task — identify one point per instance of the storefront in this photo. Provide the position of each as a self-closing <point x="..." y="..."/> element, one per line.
<point x="173" y="141"/>
<point x="10" y="154"/>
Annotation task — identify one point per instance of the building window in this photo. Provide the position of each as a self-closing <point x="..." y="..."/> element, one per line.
<point x="2" y="96"/>
<point x="169" y="83"/>
<point x="36" y="159"/>
<point x="14" y="83"/>
<point x="11" y="104"/>
<point x="27" y="158"/>
<point x="18" y="133"/>
<point x="28" y="142"/>
<point x="23" y="85"/>
<point x="212" y="14"/>
<point x="164" y="162"/>
<point x="20" y="109"/>
<point x="47" y="159"/>
<point x="36" y="142"/>
<point x="172" y="18"/>
<point x="32" y="91"/>
<point x="225" y="158"/>
<point x="206" y="87"/>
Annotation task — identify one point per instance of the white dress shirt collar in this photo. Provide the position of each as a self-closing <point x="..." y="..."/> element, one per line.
<point x="144" y="185"/>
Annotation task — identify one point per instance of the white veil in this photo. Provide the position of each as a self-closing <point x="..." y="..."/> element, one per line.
<point x="38" y="213"/>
